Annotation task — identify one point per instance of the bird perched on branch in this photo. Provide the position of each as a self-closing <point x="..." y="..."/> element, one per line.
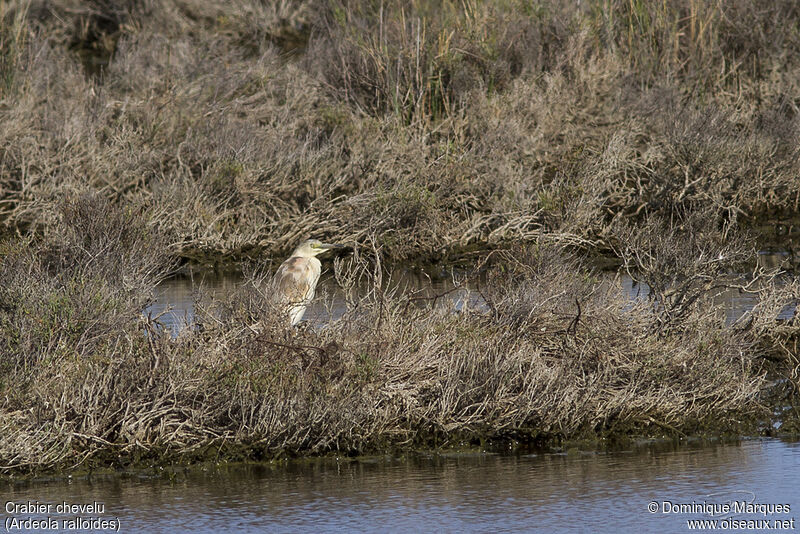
<point x="297" y="278"/>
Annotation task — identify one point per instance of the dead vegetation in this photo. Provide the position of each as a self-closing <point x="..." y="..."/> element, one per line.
<point x="438" y="126"/>
<point x="136" y="134"/>
<point x="556" y="353"/>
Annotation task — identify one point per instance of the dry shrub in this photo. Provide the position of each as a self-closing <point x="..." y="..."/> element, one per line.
<point x="688" y="158"/>
<point x="13" y="35"/>
<point x="76" y="293"/>
<point x="683" y="263"/>
<point x="687" y="264"/>
<point x="555" y="353"/>
<point x="494" y="123"/>
<point x="689" y="39"/>
<point x="421" y="60"/>
<point x="423" y="128"/>
<point x="559" y="354"/>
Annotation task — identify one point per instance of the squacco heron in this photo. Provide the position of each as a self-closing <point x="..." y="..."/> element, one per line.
<point x="297" y="278"/>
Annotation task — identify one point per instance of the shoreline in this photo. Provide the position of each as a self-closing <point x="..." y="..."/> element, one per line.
<point x="770" y="235"/>
<point x="173" y="467"/>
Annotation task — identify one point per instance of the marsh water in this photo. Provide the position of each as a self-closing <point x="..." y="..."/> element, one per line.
<point x="567" y="491"/>
<point x="175" y="299"/>
<point x="571" y="491"/>
<point x="174" y="303"/>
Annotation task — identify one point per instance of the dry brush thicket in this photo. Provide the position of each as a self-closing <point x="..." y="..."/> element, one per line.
<point x="136" y="135"/>
<point x="556" y="353"/>
<point x="244" y="126"/>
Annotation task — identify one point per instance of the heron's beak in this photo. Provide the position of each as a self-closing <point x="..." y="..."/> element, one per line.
<point x="329" y="246"/>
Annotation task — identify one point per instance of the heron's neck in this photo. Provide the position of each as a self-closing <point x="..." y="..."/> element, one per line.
<point x="302" y="253"/>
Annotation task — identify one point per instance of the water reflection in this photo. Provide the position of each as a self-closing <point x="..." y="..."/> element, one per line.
<point x="174" y="303"/>
<point x="175" y="298"/>
<point x="592" y="492"/>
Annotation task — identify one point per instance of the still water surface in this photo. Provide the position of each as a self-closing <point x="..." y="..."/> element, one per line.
<point x="174" y="303"/>
<point x="574" y="492"/>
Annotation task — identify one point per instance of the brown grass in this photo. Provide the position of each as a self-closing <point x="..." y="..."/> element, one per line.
<point x="557" y="353"/>
<point x="436" y="126"/>
<point x="135" y="134"/>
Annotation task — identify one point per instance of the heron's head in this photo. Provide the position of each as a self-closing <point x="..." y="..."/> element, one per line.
<point x="313" y="247"/>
